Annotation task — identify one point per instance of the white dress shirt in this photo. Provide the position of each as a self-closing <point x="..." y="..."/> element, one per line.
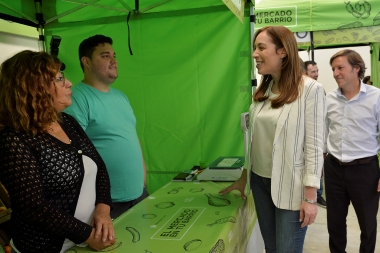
<point x="352" y="126"/>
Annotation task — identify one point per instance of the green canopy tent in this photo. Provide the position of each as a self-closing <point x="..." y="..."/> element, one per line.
<point x="188" y="77"/>
<point x="186" y="65"/>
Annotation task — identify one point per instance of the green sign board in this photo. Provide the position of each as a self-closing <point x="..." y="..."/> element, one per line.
<point x="284" y="16"/>
<point x="317" y="15"/>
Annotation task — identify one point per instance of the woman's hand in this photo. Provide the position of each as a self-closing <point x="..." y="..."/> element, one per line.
<point x="237" y="185"/>
<point x="308" y="211"/>
<point x="102" y="223"/>
<point x="98" y="244"/>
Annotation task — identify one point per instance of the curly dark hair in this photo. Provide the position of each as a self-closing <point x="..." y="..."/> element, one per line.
<point x="25" y="101"/>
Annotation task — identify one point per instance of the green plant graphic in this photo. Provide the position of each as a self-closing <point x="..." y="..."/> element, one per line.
<point x="361" y="9"/>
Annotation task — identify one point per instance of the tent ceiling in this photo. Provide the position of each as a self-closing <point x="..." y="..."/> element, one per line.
<point x="79" y="10"/>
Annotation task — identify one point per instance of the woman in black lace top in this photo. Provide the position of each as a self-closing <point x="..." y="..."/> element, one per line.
<point x="57" y="182"/>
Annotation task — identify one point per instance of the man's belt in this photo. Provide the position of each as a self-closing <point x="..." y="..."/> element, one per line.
<point x="365" y="160"/>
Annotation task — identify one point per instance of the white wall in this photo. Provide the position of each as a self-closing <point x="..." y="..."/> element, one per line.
<point x="322" y="58"/>
<point x="11" y="44"/>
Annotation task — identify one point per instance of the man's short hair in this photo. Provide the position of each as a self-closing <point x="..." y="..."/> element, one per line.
<point x="307" y="63"/>
<point x="87" y="46"/>
<point x="354" y="59"/>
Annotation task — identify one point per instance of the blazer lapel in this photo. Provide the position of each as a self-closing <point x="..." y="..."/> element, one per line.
<point x="282" y="119"/>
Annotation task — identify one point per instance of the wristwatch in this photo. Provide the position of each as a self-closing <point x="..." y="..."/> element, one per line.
<point x="310" y="201"/>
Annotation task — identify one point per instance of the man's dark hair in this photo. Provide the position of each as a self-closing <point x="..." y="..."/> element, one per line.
<point x="87" y="47"/>
<point x="307" y="63"/>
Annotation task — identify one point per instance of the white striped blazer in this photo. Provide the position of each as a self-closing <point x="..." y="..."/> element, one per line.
<point x="297" y="154"/>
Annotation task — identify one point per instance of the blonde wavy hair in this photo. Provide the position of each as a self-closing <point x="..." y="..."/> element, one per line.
<point x="25" y="101"/>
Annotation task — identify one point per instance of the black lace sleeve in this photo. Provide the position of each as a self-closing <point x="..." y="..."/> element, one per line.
<point x="103" y="188"/>
<point x="21" y="171"/>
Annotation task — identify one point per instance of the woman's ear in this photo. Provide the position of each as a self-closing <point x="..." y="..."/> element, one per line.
<point x="282" y="52"/>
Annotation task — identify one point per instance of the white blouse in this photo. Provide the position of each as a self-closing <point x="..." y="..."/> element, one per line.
<point x="263" y="138"/>
<point x="87" y="197"/>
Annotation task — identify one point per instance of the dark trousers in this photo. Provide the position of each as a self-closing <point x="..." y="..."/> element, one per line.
<point x="119" y="208"/>
<point x="356" y="184"/>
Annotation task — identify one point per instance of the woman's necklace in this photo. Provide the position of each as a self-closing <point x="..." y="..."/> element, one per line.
<point x="64" y="140"/>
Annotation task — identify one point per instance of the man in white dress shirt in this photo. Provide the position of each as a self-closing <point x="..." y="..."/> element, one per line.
<point x="351" y="165"/>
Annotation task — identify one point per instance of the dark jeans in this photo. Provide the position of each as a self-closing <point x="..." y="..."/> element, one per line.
<point x="280" y="228"/>
<point x="356" y="184"/>
<point x="121" y="207"/>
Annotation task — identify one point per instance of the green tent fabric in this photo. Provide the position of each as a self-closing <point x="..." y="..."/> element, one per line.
<point x="375" y="64"/>
<point x="317" y="15"/>
<point x="188" y="81"/>
<point x="75" y="11"/>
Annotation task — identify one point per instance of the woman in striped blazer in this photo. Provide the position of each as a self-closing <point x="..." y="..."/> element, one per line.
<point x="286" y="131"/>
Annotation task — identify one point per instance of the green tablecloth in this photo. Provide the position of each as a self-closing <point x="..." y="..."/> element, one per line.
<point x="185" y="217"/>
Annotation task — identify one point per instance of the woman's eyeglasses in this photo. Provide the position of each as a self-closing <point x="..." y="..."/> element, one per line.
<point x="60" y="80"/>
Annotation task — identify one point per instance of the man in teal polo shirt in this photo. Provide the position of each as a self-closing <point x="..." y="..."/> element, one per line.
<point x="108" y="119"/>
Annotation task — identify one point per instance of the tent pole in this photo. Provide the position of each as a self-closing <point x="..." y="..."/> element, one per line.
<point x="252" y="19"/>
<point x="137" y="6"/>
<point x="90" y="3"/>
<point x="17" y="20"/>
<point x="154" y="5"/>
<point x="312" y="45"/>
<point x="125" y="5"/>
<point x="40" y="27"/>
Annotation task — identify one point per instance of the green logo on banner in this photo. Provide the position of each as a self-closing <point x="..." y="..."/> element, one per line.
<point x="284" y="15"/>
<point x="179" y="224"/>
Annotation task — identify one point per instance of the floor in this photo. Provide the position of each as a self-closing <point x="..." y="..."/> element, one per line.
<point x="317" y="236"/>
